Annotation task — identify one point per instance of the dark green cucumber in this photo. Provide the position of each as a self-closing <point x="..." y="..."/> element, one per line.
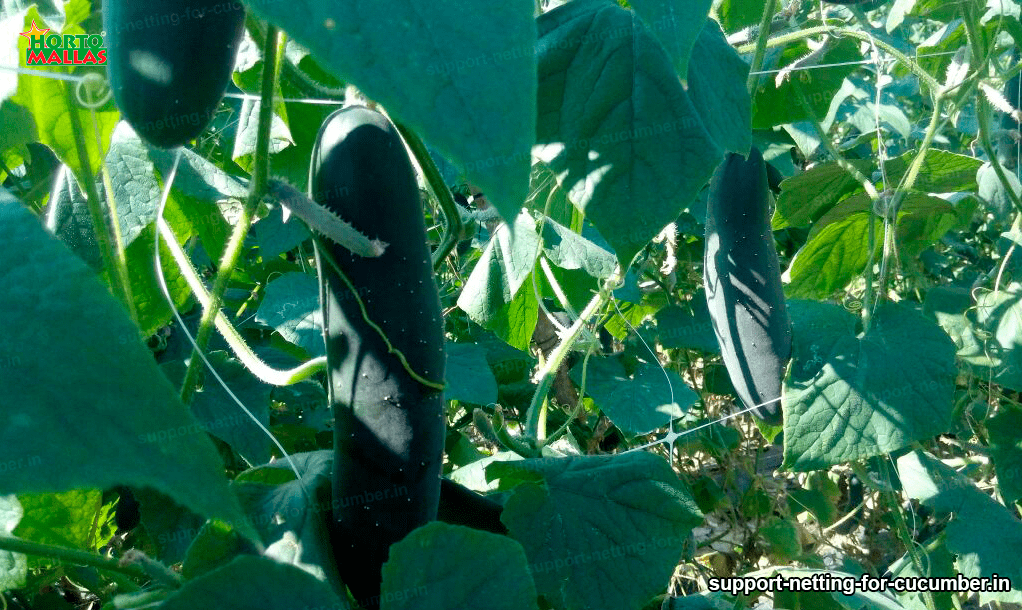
<point x="461" y="506"/>
<point x="388" y="425"/>
<point x="743" y="284"/>
<point x="1007" y="144"/>
<point x="170" y="62"/>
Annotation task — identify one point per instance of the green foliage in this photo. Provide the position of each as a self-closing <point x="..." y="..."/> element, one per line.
<point x="126" y="427"/>
<point x="577" y="140"/>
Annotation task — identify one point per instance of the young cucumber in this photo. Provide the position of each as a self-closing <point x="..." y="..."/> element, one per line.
<point x="743" y="284"/>
<point x="170" y="62"/>
<point x="388" y="414"/>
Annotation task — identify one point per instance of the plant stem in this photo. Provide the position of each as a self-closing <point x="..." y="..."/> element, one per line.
<point x="890" y="498"/>
<point x="761" y="44"/>
<point x="252" y="362"/>
<point x="867" y="185"/>
<point x="72" y="556"/>
<point x="113" y="257"/>
<point x="909" y="63"/>
<point x="578" y="406"/>
<point x="784" y="39"/>
<point x="260" y="174"/>
<point x="452" y="219"/>
<point x="983" y="112"/>
<point x="553" y="362"/>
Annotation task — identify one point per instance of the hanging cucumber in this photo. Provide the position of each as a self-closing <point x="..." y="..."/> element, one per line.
<point x="385" y="346"/>
<point x="743" y="284"/>
<point x="170" y="62"/>
<point x="462" y="506"/>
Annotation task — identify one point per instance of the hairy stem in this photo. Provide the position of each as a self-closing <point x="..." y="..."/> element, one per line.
<point x="260" y="174"/>
<point x="72" y="556"/>
<point x="113" y="254"/>
<point x="452" y="219"/>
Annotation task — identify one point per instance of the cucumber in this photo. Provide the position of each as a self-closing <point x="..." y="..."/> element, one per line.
<point x="1007" y="145"/>
<point x="388" y="424"/>
<point x="170" y="62"/>
<point x="742" y="276"/>
<point x="461" y="506"/>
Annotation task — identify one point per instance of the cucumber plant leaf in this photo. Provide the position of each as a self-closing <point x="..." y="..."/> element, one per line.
<point x="13" y="566"/>
<point x="440" y="566"/>
<point x="252" y="582"/>
<point x="941" y="171"/>
<point x="469" y="377"/>
<point x="599" y="531"/>
<point x="498" y="295"/>
<point x="438" y="67"/>
<point x="983" y="533"/>
<point x="776" y="105"/>
<point x="74" y="519"/>
<point x="837" y="249"/>
<point x="221" y="416"/>
<point x="851" y="396"/>
<point x="291" y="307"/>
<point x="806" y="197"/>
<point x="999" y="323"/>
<point x="648" y="399"/>
<point x="676" y="327"/>
<point x="293" y="525"/>
<point x="676" y="24"/>
<point x="1006" y="451"/>
<point x="110" y="419"/>
<point x="615" y="124"/>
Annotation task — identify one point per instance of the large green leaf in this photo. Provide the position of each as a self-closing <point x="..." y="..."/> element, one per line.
<point x="808" y="196"/>
<point x="837" y="248"/>
<point x="999" y="321"/>
<point x="848" y="397"/>
<point x="837" y="253"/>
<point x="775" y="104"/>
<point x="68" y="217"/>
<point x="292" y="516"/>
<point x="68" y="519"/>
<point x="984" y="534"/>
<point x="254" y="583"/>
<point x="441" y="566"/>
<point x="84" y="403"/>
<point x="716" y="86"/>
<point x="952" y="308"/>
<point x="498" y="295"/>
<point x="569" y="250"/>
<point x="648" y="399"/>
<point x="462" y="73"/>
<point x="676" y="327"/>
<point x="737" y="14"/>
<point x="151" y="308"/>
<point x="224" y="419"/>
<point x="941" y="171"/>
<point x="13" y="566"/>
<point x="291" y="307"/>
<point x="630" y="145"/>
<point x="469" y="377"/>
<point x="136" y="187"/>
<point x="600" y="532"/>
<point x="676" y="24"/>
<point x="1006" y="451"/>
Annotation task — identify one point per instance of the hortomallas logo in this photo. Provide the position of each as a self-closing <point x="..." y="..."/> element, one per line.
<point x="69" y="49"/>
